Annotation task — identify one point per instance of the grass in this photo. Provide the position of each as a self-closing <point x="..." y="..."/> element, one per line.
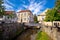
<point x="42" y="36"/>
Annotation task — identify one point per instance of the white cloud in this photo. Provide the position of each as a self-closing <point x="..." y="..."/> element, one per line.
<point x="35" y="7"/>
<point x="8" y="5"/>
<point x="37" y="10"/>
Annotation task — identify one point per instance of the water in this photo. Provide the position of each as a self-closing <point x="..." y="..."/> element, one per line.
<point x="29" y="34"/>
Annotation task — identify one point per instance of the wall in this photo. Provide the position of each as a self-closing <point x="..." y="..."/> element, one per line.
<point x="25" y="17"/>
<point x="40" y="17"/>
<point x="53" y="32"/>
<point x="47" y="23"/>
<point x="10" y="30"/>
<point x="57" y="23"/>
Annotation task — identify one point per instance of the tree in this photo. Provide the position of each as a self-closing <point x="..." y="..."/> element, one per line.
<point x="47" y="18"/>
<point x="1" y="13"/>
<point x="35" y="19"/>
<point x="54" y="13"/>
<point x="1" y="8"/>
<point x="57" y="4"/>
<point x="51" y="15"/>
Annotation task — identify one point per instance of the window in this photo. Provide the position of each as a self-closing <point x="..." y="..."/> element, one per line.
<point x="24" y="14"/>
<point x="28" y="18"/>
<point x="24" y="18"/>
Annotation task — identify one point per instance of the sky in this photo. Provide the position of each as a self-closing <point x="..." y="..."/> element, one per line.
<point x="35" y="6"/>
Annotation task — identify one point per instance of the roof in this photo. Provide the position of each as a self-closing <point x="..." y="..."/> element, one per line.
<point x="24" y="11"/>
<point x="9" y="12"/>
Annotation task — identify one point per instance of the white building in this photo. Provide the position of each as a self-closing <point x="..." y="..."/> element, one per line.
<point x="1" y="19"/>
<point x="25" y="16"/>
<point x="9" y="19"/>
<point x="42" y="16"/>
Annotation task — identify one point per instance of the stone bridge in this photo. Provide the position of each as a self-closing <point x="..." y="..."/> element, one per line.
<point x="32" y="25"/>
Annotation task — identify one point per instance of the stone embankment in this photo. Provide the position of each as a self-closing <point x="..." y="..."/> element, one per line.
<point x="10" y="30"/>
<point x="53" y="32"/>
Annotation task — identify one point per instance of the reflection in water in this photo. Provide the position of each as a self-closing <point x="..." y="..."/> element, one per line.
<point x="29" y="34"/>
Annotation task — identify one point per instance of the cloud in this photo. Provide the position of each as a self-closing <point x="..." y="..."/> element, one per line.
<point x="35" y="7"/>
<point x="37" y="10"/>
<point x="8" y="2"/>
<point x="8" y="5"/>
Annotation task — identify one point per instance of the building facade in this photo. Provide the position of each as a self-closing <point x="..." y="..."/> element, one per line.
<point x="25" y="16"/>
<point x="10" y="19"/>
<point x="42" y="16"/>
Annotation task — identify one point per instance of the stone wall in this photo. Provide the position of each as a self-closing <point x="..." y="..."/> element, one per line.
<point x="57" y="23"/>
<point x="52" y="32"/>
<point x="47" y="23"/>
<point x="10" y="30"/>
<point x="50" y="23"/>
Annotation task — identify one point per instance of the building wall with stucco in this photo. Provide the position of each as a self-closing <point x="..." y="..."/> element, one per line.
<point x="42" y="16"/>
<point x="25" y="16"/>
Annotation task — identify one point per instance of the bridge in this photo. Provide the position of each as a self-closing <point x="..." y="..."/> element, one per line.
<point x="32" y="25"/>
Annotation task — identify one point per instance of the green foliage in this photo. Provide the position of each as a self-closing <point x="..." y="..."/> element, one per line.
<point x="1" y="8"/>
<point x="54" y="13"/>
<point x="51" y="15"/>
<point x="58" y="4"/>
<point x="11" y="15"/>
<point x="35" y="19"/>
<point x="42" y="36"/>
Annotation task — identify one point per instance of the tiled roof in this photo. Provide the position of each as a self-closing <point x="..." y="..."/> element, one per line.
<point x="9" y="12"/>
<point x="24" y="11"/>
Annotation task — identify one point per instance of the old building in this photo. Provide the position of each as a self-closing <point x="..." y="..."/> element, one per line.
<point x="10" y="16"/>
<point x="42" y="16"/>
<point x="25" y="16"/>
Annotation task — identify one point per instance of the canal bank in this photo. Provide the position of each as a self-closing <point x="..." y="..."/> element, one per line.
<point x="28" y="34"/>
<point x="9" y="30"/>
<point x="33" y="34"/>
